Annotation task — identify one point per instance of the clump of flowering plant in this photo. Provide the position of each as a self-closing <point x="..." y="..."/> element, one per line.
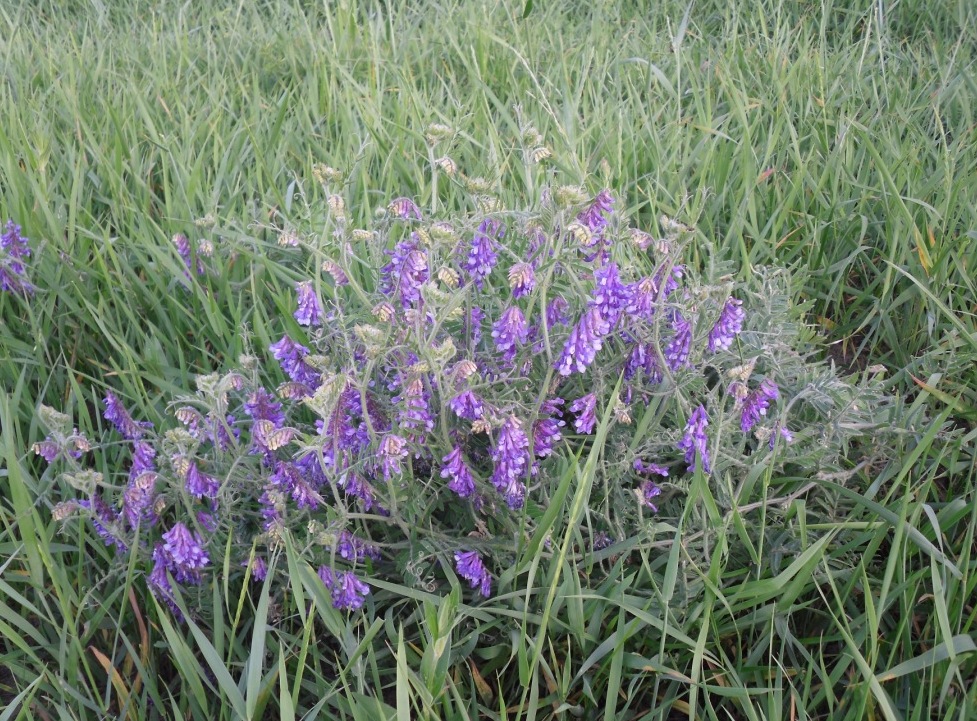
<point x="444" y="369"/>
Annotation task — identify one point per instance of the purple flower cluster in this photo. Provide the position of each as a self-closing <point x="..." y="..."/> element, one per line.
<point x="586" y="409"/>
<point x="757" y="403"/>
<point x="348" y="592"/>
<point x="695" y="441"/>
<point x="467" y="405"/>
<point x="509" y="332"/>
<point x="140" y="493"/>
<point x="470" y="567"/>
<point x="585" y="340"/>
<point x="546" y="429"/>
<point x="462" y="481"/>
<point x="728" y="326"/>
<point x="183" y="556"/>
<point x="182" y="244"/>
<point x="291" y="356"/>
<point x="482" y="255"/>
<point x="309" y="310"/>
<point x="680" y="346"/>
<point x="406" y="272"/>
<point x="13" y="270"/>
<point x="118" y="416"/>
<point x="512" y="461"/>
<point x="522" y="279"/>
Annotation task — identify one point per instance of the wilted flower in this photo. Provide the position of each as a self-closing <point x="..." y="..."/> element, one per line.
<point x="757" y="403"/>
<point x="309" y="311"/>
<point x="393" y="450"/>
<point x="695" y="440"/>
<point x="405" y="208"/>
<point x="522" y="279"/>
<point x="730" y="323"/>
<point x="470" y="567"/>
<point x="585" y="408"/>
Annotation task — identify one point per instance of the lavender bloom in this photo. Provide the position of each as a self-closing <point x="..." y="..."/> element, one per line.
<point x="585" y="408"/>
<point x="511" y="458"/>
<point x="482" y="256"/>
<point x="415" y="415"/>
<point x="642" y="358"/>
<point x="757" y="403"/>
<point x="13" y="271"/>
<point x="309" y="311"/>
<point x="730" y="323"/>
<point x="262" y="406"/>
<point x="508" y="331"/>
<point x="405" y="209"/>
<point x="475" y="325"/>
<point x="696" y="440"/>
<point x="103" y="521"/>
<point x="118" y="416"/>
<point x="649" y="469"/>
<point x="199" y="484"/>
<point x="406" y="272"/>
<point x="611" y="297"/>
<point x="462" y="482"/>
<point x="546" y="434"/>
<point x="595" y="216"/>
<point x="358" y="487"/>
<point x="677" y="350"/>
<point x="291" y="356"/>
<point x="259" y="568"/>
<point x="183" y="248"/>
<point x="159" y="583"/>
<point x="522" y="279"/>
<point x="393" y="449"/>
<point x="185" y="554"/>
<point x="585" y="340"/>
<point x="470" y="567"/>
<point x="647" y="491"/>
<point x="353" y="548"/>
<point x="138" y="497"/>
<point x="48" y="449"/>
<point x="347" y="591"/>
<point x="556" y="312"/>
<point x="467" y="405"/>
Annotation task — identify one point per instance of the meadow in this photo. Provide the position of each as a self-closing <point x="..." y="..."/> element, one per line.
<point x="183" y="175"/>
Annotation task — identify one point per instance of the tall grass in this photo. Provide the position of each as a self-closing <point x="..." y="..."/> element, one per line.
<point x="837" y="139"/>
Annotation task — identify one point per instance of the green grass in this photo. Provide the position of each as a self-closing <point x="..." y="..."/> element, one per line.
<point x="836" y="139"/>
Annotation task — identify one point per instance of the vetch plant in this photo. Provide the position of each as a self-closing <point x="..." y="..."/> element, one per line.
<point x="438" y="374"/>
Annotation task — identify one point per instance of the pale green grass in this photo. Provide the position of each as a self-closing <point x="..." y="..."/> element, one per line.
<point x="837" y="139"/>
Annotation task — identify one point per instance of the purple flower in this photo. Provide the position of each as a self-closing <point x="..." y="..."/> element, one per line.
<point x="595" y="216"/>
<point x="104" y="522"/>
<point x="475" y="325"/>
<point x="585" y="408"/>
<point x="415" y="416"/>
<point x="159" y="583"/>
<point x="611" y="297"/>
<point x="509" y="331"/>
<point x="522" y="279"/>
<point x="556" y="312"/>
<point x="647" y="491"/>
<point x="696" y="440"/>
<point x="462" y="482"/>
<point x="643" y="358"/>
<point x="482" y="256"/>
<point x="393" y="450"/>
<point x="677" y="350"/>
<point x="585" y="340"/>
<point x="784" y="433"/>
<point x="118" y="416"/>
<point x="262" y="406"/>
<point x="358" y="487"/>
<point x="730" y="323"/>
<point x="309" y="310"/>
<point x="184" y="553"/>
<point x="13" y="271"/>
<point x="405" y="208"/>
<point x="649" y="469"/>
<point x="757" y="403"/>
<point x="348" y="592"/>
<point x="470" y="567"/>
<point x="467" y="405"/>
<point x="353" y="548"/>
<point x="183" y="248"/>
<point x="199" y="484"/>
<point x="291" y="356"/>
<point x="406" y="272"/>
<point x="546" y="429"/>
<point x="259" y="568"/>
<point x="512" y="460"/>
